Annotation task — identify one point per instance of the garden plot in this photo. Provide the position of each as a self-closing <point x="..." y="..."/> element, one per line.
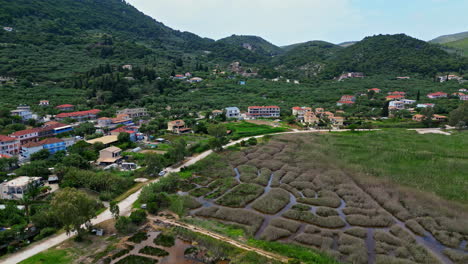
<point x="288" y="191"/>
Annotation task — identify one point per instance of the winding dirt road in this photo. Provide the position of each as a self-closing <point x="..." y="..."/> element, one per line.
<point x="125" y="205"/>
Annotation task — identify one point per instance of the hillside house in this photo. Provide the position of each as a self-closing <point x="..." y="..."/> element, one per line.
<point x="216" y="113"/>
<point x="127" y="67"/>
<point x="80" y="116"/>
<point x="351" y="75"/>
<point x="178" y="127"/>
<point x="105" y="122"/>
<point x="440" y="118"/>
<point x="179" y="77"/>
<point x="65" y="107"/>
<point x="449" y="78"/>
<point x="337" y="120"/>
<point x="195" y="80"/>
<point x="346" y="100"/>
<point x="403" y="78"/>
<point x="232" y="112"/>
<point x="9" y="145"/>
<point x="394" y="97"/>
<point x="263" y="111"/>
<point x="26" y="135"/>
<point x="319" y="111"/>
<point x="418" y="118"/>
<point x="188" y="74"/>
<point x="425" y="105"/>
<point x="23" y="111"/>
<point x="134" y="112"/>
<point x="464" y="97"/>
<point x="437" y="95"/>
<point x="15" y="189"/>
<point x="109" y="155"/>
<point x="375" y="90"/>
<point x="44" y="103"/>
<point x="8" y="29"/>
<point x="131" y="130"/>
<point x="310" y="118"/>
<point x="396" y="105"/>
<point x="299" y="112"/>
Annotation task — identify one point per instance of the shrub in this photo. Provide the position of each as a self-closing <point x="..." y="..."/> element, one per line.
<point x="121" y="253"/>
<point x="272" y="233"/>
<point x="308" y="217"/>
<point x="45" y="232"/>
<point x="251" y="220"/>
<point x="325" y="212"/>
<point x="286" y="224"/>
<point x="415" y="227"/>
<point x="134" y="259"/>
<point x="153" y="251"/>
<point x="272" y="202"/>
<point x="456" y="256"/>
<point x="124" y="225"/>
<point x="241" y="195"/>
<point x="387" y="238"/>
<point x="357" y="232"/>
<point x="138" y="237"/>
<point x="199" y="192"/>
<point x="366" y="221"/>
<point x="164" y="240"/>
<point x="138" y="216"/>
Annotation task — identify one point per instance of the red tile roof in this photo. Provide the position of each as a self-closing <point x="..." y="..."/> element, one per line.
<point x="437" y="94"/>
<point x="345" y="102"/>
<point x="25" y="132"/>
<point x="123" y="130"/>
<point x="65" y="106"/>
<point x="50" y="141"/>
<point x="395" y="96"/>
<point x="4" y="156"/>
<point x="80" y="113"/>
<point x="4" y="138"/>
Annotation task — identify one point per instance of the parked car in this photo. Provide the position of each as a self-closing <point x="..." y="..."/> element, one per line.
<point x="162" y="173"/>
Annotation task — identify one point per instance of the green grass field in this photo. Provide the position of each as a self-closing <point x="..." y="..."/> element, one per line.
<point x="52" y="256"/>
<point x="245" y="129"/>
<point x="433" y="163"/>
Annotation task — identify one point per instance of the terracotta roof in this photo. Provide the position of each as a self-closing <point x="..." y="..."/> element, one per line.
<point x="4" y="156"/>
<point x="80" y="113"/>
<point x="32" y="145"/>
<point x="437" y="93"/>
<point x="4" y="138"/>
<point x="345" y="102"/>
<point x="394" y="96"/>
<point x="123" y="130"/>
<point x="25" y="132"/>
<point x="65" y="106"/>
<point x="50" y="141"/>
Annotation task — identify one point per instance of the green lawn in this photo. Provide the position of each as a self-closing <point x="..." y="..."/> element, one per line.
<point x="52" y="256"/>
<point x="433" y="163"/>
<point x="245" y="129"/>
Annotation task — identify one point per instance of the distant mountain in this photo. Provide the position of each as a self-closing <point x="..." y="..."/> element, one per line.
<point x="347" y="43"/>
<point x="253" y="43"/>
<point x="450" y="38"/>
<point x="393" y="54"/>
<point x="459" y="46"/>
<point x="308" y="58"/>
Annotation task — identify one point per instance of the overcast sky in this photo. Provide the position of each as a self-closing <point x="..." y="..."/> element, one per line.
<point x="284" y="22"/>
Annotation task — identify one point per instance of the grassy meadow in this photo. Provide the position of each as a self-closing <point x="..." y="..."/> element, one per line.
<point x="51" y="256"/>
<point x="246" y="129"/>
<point x="431" y="162"/>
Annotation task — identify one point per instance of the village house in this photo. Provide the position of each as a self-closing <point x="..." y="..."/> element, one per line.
<point x="54" y="128"/>
<point x="396" y="105"/>
<point x="53" y="145"/>
<point x="437" y="95"/>
<point x="178" y="127"/>
<point x="109" y="155"/>
<point x="23" y="111"/>
<point x="449" y="78"/>
<point x="15" y="189"/>
<point x="425" y="105"/>
<point x="299" y="112"/>
<point x="464" y="97"/>
<point x="195" y="80"/>
<point x="44" y="103"/>
<point x="131" y="130"/>
<point x="408" y="101"/>
<point x="403" y="78"/>
<point x="188" y="74"/>
<point x="397" y="93"/>
<point x="122" y="119"/>
<point x="9" y="29"/>
<point x="418" y="118"/>
<point x="65" y="107"/>
<point x="394" y="97"/>
<point x="26" y="135"/>
<point x="263" y="111"/>
<point x="311" y="118"/>
<point x="337" y="120"/>
<point x="80" y="116"/>
<point x="375" y="90"/>
<point x="351" y="75"/>
<point x="440" y="118"/>
<point x="319" y="111"/>
<point x="216" y="113"/>
<point x="127" y="67"/>
<point x="179" y="77"/>
<point x="9" y="145"/>
<point x="134" y="112"/>
<point x="463" y="90"/>
<point x="232" y="112"/>
<point x="346" y="100"/>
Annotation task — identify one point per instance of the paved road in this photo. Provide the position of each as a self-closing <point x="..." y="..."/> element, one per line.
<point x="125" y="206"/>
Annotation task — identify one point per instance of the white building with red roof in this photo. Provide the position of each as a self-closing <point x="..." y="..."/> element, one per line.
<point x="299" y="112"/>
<point x="65" y="107"/>
<point x="346" y="100"/>
<point x="80" y="116"/>
<point x="9" y="145"/>
<point x="437" y="95"/>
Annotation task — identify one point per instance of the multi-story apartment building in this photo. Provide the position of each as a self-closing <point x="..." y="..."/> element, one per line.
<point x="9" y="145"/>
<point x="133" y="112"/>
<point x="263" y="111"/>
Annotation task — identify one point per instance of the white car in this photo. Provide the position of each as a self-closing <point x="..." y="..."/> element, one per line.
<point x="162" y="173"/>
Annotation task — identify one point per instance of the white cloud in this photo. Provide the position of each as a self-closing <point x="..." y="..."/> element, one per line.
<point x="279" y="21"/>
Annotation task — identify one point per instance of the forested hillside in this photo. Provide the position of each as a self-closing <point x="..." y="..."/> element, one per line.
<point x="54" y="40"/>
<point x="394" y="54"/>
<point x="253" y="43"/>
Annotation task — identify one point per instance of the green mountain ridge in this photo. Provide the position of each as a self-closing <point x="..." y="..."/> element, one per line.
<point x="56" y="40"/>
<point x="459" y="46"/>
<point x="450" y="38"/>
